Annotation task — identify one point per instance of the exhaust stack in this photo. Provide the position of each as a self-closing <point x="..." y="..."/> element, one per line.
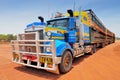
<point x="41" y="18"/>
<point x="70" y="12"/>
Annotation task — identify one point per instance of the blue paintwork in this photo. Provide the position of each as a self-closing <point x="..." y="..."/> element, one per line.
<point x="61" y="46"/>
<point x="69" y="37"/>
<point x="35" y="24"/>
<point x="87" y="31"/>
<point x="72" y="23"/>
<point x="63" y="41"/>
<point x="72" y="36"/>
<point x="72" y="31"/>
<point x="58" y="35"/>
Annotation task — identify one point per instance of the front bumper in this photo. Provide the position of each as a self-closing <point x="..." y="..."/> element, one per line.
<point x="32" y="48"/>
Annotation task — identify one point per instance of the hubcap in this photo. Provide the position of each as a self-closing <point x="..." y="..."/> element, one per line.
<point x="67" y="61"/>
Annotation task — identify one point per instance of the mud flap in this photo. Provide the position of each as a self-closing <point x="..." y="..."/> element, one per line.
<point x="54" y="71"/>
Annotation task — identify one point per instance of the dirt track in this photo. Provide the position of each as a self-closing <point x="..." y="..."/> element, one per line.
<point x="103" y="65"/>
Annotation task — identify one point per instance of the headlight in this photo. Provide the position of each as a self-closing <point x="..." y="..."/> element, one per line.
<point x="48" y="49"/>
<point x="49" y="33"/>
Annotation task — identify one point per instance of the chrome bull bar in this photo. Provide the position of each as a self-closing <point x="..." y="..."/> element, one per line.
<point x="19" y="50"/>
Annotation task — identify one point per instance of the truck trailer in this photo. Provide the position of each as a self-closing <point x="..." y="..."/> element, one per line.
<point x="54" y="45"/>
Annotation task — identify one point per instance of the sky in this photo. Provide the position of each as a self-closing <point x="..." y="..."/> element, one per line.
<point x="16" y="14"/>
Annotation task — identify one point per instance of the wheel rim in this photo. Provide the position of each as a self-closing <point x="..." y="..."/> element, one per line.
<point x="67" y="61"/>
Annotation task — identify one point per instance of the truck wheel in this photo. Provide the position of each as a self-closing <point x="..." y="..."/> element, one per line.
<point x="103" y="45"/>
<point x="93" y="49"/>
<point x="66" y="62"/>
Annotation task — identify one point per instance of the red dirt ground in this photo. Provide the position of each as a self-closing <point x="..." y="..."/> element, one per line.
<point x="103" y="65"/>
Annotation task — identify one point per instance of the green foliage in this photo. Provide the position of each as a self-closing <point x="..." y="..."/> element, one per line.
<point x="117" y="38"/>
<point x="7" y="37"/>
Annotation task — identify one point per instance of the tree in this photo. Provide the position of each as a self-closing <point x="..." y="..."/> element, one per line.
<point x="7" y="38"/>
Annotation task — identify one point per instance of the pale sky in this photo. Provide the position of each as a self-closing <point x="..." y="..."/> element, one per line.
<point x="16" y="14"/>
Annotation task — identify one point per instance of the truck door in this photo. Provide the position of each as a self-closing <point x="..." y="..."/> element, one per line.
<point x="72" y="31"/>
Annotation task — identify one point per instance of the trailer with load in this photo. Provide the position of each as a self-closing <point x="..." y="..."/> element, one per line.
<point x="53" y="45"/>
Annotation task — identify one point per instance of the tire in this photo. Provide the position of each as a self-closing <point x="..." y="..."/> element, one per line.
<point x="103" y="45"/>
<point x="66" y="63"/>
<point x="93" y="49"/>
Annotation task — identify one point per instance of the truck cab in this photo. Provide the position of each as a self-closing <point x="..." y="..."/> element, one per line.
<point x="62" y="29"/>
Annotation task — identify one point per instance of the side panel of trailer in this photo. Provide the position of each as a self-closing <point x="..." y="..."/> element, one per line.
<point x="86" y="35"/>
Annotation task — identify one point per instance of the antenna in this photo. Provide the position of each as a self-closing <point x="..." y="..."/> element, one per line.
<point x="48" y="11"/>
<point x="80" y="9"/>
<point x="52" y="15"/>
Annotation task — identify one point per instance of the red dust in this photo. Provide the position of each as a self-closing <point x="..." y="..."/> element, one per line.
<point x="103" y="65"/>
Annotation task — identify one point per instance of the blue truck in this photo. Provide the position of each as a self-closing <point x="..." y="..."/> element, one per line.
<point x="54" y="45"/>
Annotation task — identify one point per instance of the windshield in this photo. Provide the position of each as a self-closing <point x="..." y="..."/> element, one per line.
<point x="59" y="23"/>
